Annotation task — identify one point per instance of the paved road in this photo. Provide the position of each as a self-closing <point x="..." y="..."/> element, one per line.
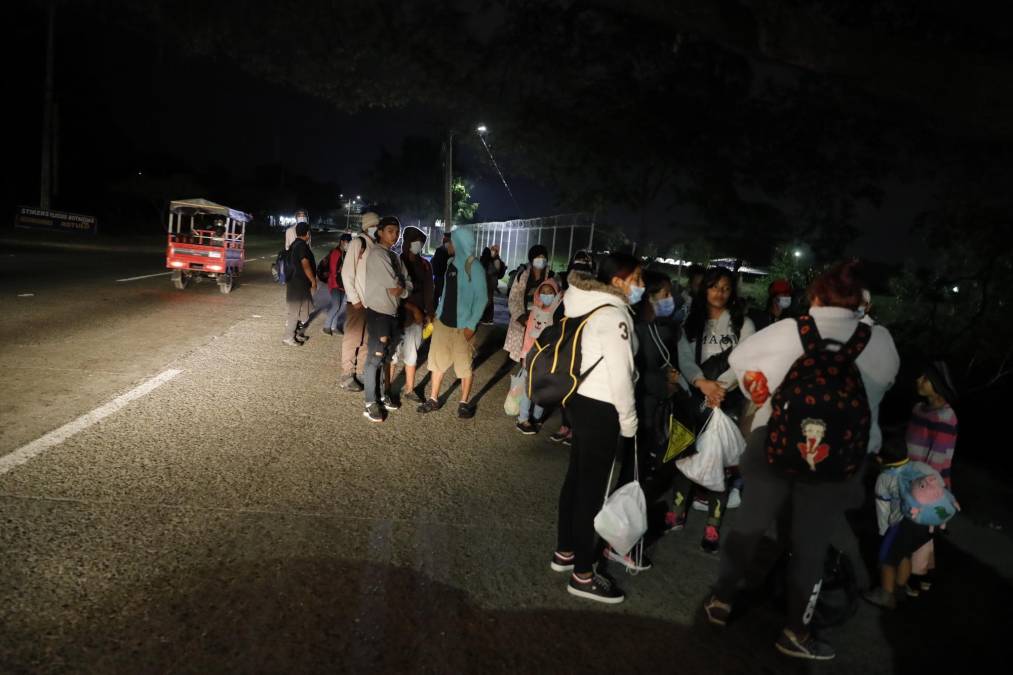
<point x="244" y="517"/>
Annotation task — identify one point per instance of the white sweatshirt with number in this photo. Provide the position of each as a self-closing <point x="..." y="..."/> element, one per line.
<point x="609" y="336"/>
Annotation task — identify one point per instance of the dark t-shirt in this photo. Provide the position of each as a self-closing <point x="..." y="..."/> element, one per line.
<point x="449" y="314"/>
<point x="298" y="287"/>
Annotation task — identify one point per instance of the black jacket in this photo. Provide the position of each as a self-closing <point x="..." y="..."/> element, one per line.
<point x="439" y="262"/>
<point x="652" y="384"/>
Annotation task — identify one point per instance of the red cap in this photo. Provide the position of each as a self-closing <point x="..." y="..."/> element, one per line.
<point x="780" y="287"/>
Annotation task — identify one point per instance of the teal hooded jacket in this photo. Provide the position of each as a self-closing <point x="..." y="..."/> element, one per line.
<point x="472" y="295"/>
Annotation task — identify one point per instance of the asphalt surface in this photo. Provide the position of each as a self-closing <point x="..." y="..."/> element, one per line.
<point x="244" y="516"/>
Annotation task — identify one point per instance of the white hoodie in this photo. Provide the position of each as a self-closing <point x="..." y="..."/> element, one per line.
<point x="609" y="336"/>
<point x="774" y="349"/>
<point x="353" y="268"/>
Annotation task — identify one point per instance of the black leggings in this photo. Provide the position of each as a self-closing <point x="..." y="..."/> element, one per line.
<point x="595" y="441"/>
<point x="816" y="511"/>
<point x="686" y="491"/>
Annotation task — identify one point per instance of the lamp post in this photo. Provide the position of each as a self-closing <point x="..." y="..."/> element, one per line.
<point x="448" y="196"/>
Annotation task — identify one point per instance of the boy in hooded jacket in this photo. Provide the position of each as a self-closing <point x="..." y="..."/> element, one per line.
<point x="462" y="304"/>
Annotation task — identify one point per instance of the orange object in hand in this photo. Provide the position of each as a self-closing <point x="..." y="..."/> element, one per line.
<point x="756" y="385"/>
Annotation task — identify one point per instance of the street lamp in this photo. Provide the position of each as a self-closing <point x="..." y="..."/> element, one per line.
<point x="798" y="253"/>
<point x="481" y="128"/>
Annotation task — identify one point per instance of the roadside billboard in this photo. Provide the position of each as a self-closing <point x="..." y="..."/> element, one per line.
<point x="60" y="221"/>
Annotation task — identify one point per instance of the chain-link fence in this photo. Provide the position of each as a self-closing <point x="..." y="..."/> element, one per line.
<point x="561" y="235"/>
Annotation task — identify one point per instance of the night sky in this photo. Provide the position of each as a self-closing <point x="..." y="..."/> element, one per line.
<point x="134" y="102"/>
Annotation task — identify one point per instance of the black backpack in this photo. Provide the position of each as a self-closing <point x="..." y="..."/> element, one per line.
<point x="820" y="417"/>
<point x="324" y="267"/>
<point x="554" y="362"/>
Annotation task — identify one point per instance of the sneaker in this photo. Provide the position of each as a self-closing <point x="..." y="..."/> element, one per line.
<point x="711" y="539"/>
<point x="629" y="561"/>
<point x="527" y="428"/>
<point x="291" y="342"/>
<point x="734" y="498"/>
<point x="674" y="522"/>
<point x="561" y="563"/>
<point x="429" y="406"/>
<point x="880" y="598"/>
<point x="327" y="331"/>
<point x="373" y="412"/>
<point x="909" y="591"/>
<point x="808" y="647"/>
<point x="561" y="435"/>
<point x="701" y="505"/>
<point x="717" y="612"/>
<point x="389" y="402"/>
<point x="412" y="396"/>
<point x="568" y="441"/>
<point x="925" y="583"/>
<point x="351" y="384"/>
<point x="488" y="323"/>
<point x="599" y="588"/>
<point x="466" y="411"/>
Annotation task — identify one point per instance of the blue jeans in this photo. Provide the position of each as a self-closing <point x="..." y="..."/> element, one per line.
<point x="526" y="405"/>
<point x="336" y="313"/>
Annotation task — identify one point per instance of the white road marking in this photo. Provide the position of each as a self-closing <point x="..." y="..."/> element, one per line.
<point x="26" y="295"/>
<point x="57" y="436"/>
<point x="146" y="276"/>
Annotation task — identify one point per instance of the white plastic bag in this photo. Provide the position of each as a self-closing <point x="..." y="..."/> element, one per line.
<point x="512" y="403"/>
<point x="729" y="437"/>
<point x="622" y="521"/>
<point x="719" y="444"/>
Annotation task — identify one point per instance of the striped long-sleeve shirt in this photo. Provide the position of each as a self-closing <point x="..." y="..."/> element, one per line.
<point x="931" y="438"/>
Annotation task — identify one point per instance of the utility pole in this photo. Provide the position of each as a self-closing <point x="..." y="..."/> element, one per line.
<point x="46" y="181"/>
<point x="448" y="179"/>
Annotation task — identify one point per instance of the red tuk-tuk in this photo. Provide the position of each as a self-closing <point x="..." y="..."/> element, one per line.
<point x="205" y="240"/>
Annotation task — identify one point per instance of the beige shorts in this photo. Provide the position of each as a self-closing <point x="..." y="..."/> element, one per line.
<point x="450" y="348"/>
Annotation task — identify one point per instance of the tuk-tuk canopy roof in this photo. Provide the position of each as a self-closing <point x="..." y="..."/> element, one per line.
<point x="188" y="206"/>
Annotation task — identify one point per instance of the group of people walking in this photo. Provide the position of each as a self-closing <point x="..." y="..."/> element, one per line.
<point x="803" y="386"/>
<point x="391" y="302"/>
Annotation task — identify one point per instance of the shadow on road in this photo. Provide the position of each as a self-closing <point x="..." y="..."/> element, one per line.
<point x="334" y="615"/>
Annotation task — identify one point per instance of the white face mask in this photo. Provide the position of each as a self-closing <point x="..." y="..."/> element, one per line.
<point x="416" y="247"/>
<point x="784" y="301"/>
<point x="371" y="231"/>
<point x="539" y="263"/>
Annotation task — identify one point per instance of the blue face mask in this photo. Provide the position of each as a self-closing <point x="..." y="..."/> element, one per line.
<point x="547" y="298"/>
<point x="664" y="307"/>
<point x="635" y="294"/>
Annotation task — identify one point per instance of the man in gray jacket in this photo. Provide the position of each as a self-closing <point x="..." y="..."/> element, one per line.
<point x="353" y="276"/>
<point x="386" y="285"/>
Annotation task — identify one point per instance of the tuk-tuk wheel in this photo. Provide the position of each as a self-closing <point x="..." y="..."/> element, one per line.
<point x="180" y="279"/>
<point x="225" y="283"/>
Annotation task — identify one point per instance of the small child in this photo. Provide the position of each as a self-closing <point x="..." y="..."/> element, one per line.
<point x="901" y="535"/>
<point x="548" y="298"/>
<point x="931" y="438"/>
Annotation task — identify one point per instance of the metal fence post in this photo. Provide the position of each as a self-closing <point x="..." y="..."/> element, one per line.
<point x="569" y="253"/>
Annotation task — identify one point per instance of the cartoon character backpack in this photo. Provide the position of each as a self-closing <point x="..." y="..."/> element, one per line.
<point x="820" y="417"/>
<point x="923" y="494"/>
